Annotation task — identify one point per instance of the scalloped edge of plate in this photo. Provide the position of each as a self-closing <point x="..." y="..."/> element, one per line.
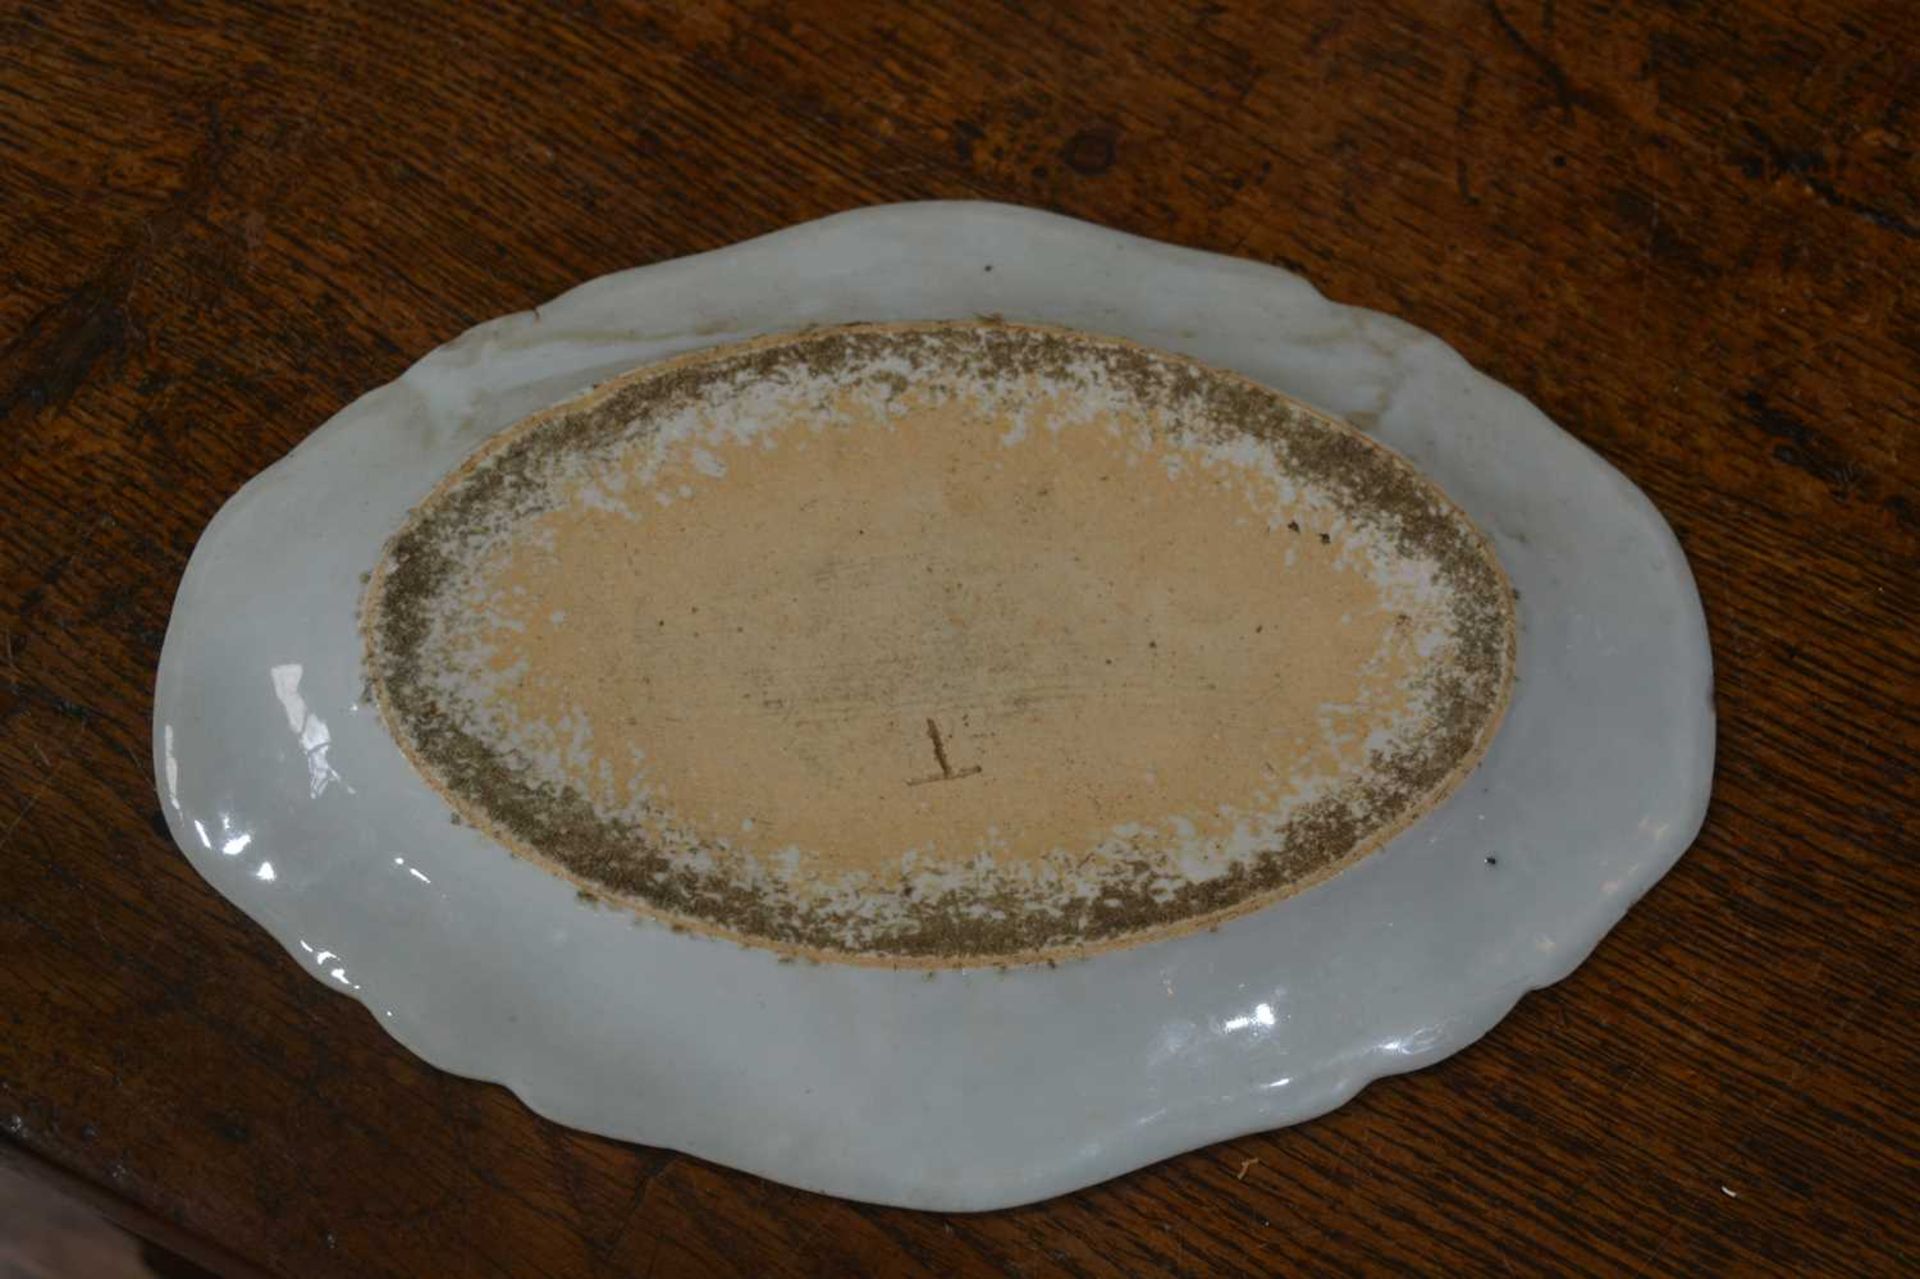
<point x="977" y="1089"/>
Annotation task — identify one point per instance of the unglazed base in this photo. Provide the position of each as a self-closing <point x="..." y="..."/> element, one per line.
<point x="939" y="644"/>
<point x="975" y="1088"/>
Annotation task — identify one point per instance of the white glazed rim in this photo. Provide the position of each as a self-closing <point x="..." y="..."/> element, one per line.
<point x="976" y="1090"/>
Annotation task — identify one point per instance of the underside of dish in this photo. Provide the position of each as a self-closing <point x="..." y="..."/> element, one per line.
<point x="287" y="786"/>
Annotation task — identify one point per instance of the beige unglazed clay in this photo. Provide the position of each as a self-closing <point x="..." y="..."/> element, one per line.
<point x="939" y="644"/>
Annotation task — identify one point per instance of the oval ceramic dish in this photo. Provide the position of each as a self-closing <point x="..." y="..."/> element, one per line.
<point x="970" y="1087"/>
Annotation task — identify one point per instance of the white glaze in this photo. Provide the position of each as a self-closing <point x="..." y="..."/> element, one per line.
<point x="974" y="1089"/>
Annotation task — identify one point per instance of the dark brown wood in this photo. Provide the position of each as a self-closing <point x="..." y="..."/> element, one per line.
<point x="170" y="1250"/>
<point x="1687" y="232"/>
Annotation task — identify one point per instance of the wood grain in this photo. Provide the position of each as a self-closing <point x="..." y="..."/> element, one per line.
<point x="1688" y="232"/>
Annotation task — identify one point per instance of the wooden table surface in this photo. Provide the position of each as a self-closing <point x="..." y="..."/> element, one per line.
<point x="1687" y="233"/>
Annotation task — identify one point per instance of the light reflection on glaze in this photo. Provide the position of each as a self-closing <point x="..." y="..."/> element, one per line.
<point x="315" y="740"/>
<point x="321" y="958"/>
<point x="171" y="767"/>
<point x="1261" y="1016"/>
